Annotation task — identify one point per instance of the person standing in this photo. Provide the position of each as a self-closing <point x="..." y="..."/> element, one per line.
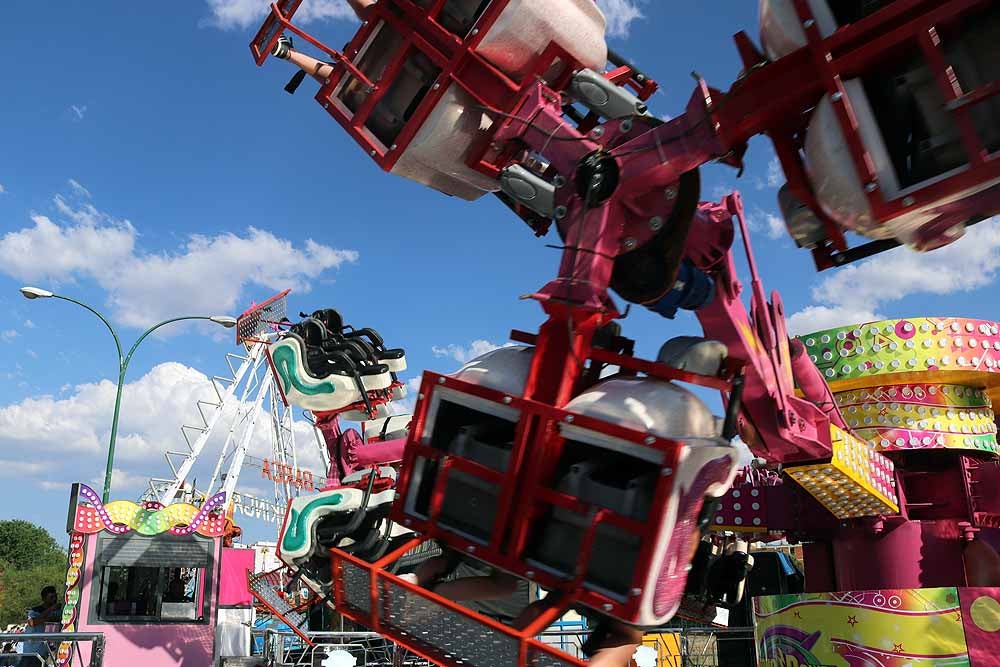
<point x="45" y="614"/>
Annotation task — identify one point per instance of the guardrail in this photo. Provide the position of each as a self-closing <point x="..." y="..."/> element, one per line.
<point x="96" y="639"/>
<point x="675" y="647"/>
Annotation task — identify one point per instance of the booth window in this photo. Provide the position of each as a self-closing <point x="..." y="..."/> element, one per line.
<point x="152" y="579"/>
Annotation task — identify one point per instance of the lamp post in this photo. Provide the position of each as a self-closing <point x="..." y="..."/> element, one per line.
<point x="38" y="293"/>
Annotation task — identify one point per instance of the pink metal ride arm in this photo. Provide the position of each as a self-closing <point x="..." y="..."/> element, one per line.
<point x="782" y="427"/>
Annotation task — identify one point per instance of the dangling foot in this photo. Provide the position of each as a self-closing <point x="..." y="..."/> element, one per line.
<point x="282" y="48"/>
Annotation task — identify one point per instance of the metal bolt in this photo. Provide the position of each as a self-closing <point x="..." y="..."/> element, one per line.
<point x="373" y="153"/>
<point x="326" y="81"/>
<point x="808" y="24"/>
<point x="626" y="125"/>
<point x="636" y="592"/>
<point x="529" y="573"/>
<point x="909" y="201"/>
<point x="569" y="419"/>
<point x="407" y="522"/>
<point x="608" y="606"/>
<point x="475" y="31"/>
<point x="470" y="549"/>
<point x="656" y="223"/>
<point x="558" y="181"/>
<point x="440" y="380"/>
<point x="629" y="243"/>
<point x="560" y="212"/>
<point x="837" y="96"/>
<point x="667" y="472"/>
<point x="871" y="187"/>
<point x="435" y="86"/>
<point x="507" y="399"/>
<point x="597" y="133"/>
<point x="326" y="105"/>
<point x="420" y="397"/>
<point x="650" y="440"/>
<point x="393" y="147"/>
<point x="670" y="193"/>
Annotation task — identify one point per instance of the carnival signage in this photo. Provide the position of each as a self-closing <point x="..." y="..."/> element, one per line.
<point x="256" y="508"/>
<point x="279" y="473"/>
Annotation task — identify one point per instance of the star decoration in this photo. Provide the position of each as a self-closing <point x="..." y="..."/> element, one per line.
<point x="852" y="620"/>
<point x="897" y="648"/>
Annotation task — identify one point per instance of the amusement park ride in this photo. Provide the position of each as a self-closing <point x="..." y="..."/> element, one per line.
<point x="876" y="442"/>
<point x="885" y="118"/>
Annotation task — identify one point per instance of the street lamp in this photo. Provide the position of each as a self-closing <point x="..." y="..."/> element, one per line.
<point x="38" y="293"/>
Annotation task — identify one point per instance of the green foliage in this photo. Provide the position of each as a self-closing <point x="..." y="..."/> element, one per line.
<point x="24" y="545"/>
<point x="30" y="559"/>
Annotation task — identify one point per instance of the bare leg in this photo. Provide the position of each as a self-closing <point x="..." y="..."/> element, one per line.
<point x="361" y="7"/>
<point x="493" y="587"/>
<point x="318" y="69"/>
<point x="617" y="650"/>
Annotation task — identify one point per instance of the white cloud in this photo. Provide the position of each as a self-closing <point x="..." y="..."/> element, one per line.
<point x="2" y="189"/>
<point x="620" y="15"/>
<point x="79" y="189"/>
<point x="818" y="318"/>
<point x="8" y="335"/>
<point x="856" y="293"/>
<point x="775" y="174"/>
<point x="31" y="353"/>
<point x="769" y="224"/>
<point x="28" y="324"/>
<point x="70" y="433"/>
<point x="9" y="468"/>
<point x="78" y="110"/>
<point x="242" y="14"/>
<point x="463" y="354"/>
<point x="144" y="287"/>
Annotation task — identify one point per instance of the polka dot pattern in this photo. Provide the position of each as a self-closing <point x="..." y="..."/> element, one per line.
<point x="857" y="481"/>
<point x="919" y="383"/>
<point x="151" y="518"/>
<point x="921" y="416"/>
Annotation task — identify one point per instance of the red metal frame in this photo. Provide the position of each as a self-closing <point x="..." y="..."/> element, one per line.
<point x="525" y="490"/>
<point x="253" y="309"/>
<point x="381" y="583"/>
<point x="261" y="601"/>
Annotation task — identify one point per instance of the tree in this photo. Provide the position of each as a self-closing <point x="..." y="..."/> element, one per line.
<point x="30" y="559"/>
<point x="20" y="590"/>
<point x="24" y="545"/>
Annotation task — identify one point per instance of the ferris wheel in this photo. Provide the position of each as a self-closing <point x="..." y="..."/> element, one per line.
<point x="244" y="406"/>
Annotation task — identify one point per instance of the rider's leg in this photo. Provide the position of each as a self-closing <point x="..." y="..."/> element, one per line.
<point x="491" y="587"/>
<point x="317" y="69"/>
<point x="361" y="7"/>
<point x="618" y="647"/>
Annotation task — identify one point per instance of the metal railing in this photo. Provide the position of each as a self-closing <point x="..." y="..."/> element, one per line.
<point x="369" y="649"/>
<point x="675" y="647"/>
<point x="96" y="640"/>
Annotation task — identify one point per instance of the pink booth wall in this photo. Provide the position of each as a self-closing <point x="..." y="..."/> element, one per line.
<point x="149" y="645"/>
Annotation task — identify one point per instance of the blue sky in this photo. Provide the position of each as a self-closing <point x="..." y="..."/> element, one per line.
<point x="150" y="169"/>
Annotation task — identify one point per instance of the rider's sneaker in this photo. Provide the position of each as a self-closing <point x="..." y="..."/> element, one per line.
<point x="282" y="47"/>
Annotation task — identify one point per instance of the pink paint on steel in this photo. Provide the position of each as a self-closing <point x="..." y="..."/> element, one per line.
<point x="349" y="452"/>
<point x="146" y="644"/>
<point x="672" y="579"/>
<point x="233" y="588"/>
